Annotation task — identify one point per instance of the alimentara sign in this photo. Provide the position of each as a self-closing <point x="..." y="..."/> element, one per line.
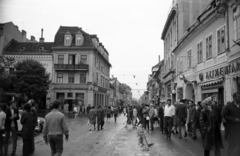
<point x="231" y="68"/>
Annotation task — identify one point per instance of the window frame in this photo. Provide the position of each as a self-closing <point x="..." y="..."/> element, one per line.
<point x="83" y="61"/>
<point x="60" y="58"/>
<point x="200" y="53"/>
<point x="217" y="38"/>
<point x="59" y="79"/>
<point x="236" y="23"/>
<point x="207" y="46"/>
<point x="189" y="58"/>
<point x="85" y="80"/>
<point x="73" y="59"/>
<point x="71" y="78"/>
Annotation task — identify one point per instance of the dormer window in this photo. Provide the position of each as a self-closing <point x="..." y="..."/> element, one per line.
<point x="79" y="39"/>
<point x="67" y="39"/>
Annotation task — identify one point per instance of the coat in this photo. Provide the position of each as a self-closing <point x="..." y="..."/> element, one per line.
<point x="92" y="116"/>
<point x="27" y="121"/>
<point x="8" y="120"/>
<point x="230" y="113"/>
<point x="208" y="133"/>
<point x="161" y="112"/>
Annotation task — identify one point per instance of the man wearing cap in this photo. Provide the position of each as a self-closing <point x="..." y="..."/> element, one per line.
<point x="168" y="118"/>
<point x="54" y="128"/>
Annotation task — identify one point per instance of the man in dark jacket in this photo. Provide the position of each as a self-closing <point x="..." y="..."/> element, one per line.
<point x="181" y="113"/>
<point x="194" y="120"/>
<point x="231" y="113"/>
<point x="100" y="118"/>
<point x="161" y="116"/>
<point x="12" y="115"/>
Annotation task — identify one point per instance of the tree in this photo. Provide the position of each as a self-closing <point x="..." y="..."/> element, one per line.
<point x="31" y="79"/>
<point x="5" y="76"/>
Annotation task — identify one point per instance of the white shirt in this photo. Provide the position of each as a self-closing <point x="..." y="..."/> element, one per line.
<point x="2" y="119"/>
<point x="169" y="111"/>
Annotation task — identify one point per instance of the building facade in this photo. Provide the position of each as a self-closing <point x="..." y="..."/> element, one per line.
<point x="81" y="68"/>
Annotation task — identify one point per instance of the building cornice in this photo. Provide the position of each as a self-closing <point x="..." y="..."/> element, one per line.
<point x="168" y="22"/>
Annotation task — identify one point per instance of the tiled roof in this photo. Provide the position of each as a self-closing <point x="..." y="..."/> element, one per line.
<point x="28" y="47"/>
<point x="59" y="37"/>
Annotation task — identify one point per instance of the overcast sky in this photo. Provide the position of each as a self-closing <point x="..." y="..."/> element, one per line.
<point x="129" y="29"/>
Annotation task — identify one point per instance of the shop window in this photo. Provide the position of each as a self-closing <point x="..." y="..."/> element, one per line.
<point x="59" y="77"/>
<point x="60" y="97"/>
<point x="209" y="47"/>
<point x="236" y="22"/>
<point x="80" y="97"/>
<point x="221" y="47"/>
<point x="70" y="95"/>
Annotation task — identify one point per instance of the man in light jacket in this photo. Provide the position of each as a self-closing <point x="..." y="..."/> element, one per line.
<point x="54" y="128"/>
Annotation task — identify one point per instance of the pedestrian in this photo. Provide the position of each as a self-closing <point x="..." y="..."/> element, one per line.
<point x="156" y="121"/>
<point x="92" y="117"/>
<point x="181" y="113"/>
<point x="161" y="116"/>
<point x="134" y="117"/>
<point x="55" y="127"/>
<point x="115" y="112"/>
<point x="100" y="118"/>
<point x="108" y="114"/>
<point x="231" y="114"/>
<point x="88" y="108"/>
<point x="35" y="122"/>
<point x="211" y="133"/>
<point x="27" y="121"/>
<point x="152" y="116"/>
<point x="129" y="116"/>
<point x="11" y="126"/>
<point x="124" y="111"/>
<point x="2" y="128"/>
<point x="140" y="114"/>
<point x="174" y="128"/>
<point x="193" y="115"/>
<point x="168" y="118"/>
<point x="146" y="117"/>
<point x="142" y="136"/>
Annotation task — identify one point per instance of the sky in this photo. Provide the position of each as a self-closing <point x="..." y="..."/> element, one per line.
<point x="130" y="30"/>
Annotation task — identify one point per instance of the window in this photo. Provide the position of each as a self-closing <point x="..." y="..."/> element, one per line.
<point x="70" y="77"/>
<point x="221" y="47"/>
<point x="83" y="59"/>
<point x="60" y="96"/>
<point x="199" y="52"/>
<point x="97" y="78"/>
<point x="79" y="39"/>
<point x="209" y="47"/>
<point x="95" y="61"/>
<point x="60" y="59"/>
<point x="236" y="22"/>
<point x="71" y="59"/>
<point x="189" y="53"/>
<point x="67" y="39"/>
<point x="59" y="77"/>
<point x="171" y="37"/>
<point x="80" y="97"/>
<point x="99" y="65"/>
<point x="70" y="95"/>
<point x="82" y="78"/>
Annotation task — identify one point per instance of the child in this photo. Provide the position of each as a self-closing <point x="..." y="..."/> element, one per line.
<point x="141" y="134"/>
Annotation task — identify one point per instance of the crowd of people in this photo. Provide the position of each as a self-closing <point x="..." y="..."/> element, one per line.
<point x="9" y="116"/>
<point x="185" y="117"/>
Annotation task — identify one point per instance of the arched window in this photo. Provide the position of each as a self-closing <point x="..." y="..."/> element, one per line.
<point x="67" y="39"/>
<point x="79" y="39"/>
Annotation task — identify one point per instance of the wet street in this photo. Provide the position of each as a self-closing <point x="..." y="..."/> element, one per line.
<point x="116" y="140"/>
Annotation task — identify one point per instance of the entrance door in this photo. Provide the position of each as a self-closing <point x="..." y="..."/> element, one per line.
<point x="221" y="97"/>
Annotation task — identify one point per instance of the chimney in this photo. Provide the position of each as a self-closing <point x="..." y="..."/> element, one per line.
<point x="41" y="39"/>
<point x="159" y="59"/>
<point x="24" y="36"/>
<point x="33" y="39"/>
<point x="16" y="26"/>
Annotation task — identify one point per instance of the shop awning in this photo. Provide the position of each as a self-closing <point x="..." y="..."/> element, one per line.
<point x="212" y="82"/>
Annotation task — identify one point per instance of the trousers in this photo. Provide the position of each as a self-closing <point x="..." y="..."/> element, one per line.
<point x="56" y="144"/>
<point x="14" y="138"/>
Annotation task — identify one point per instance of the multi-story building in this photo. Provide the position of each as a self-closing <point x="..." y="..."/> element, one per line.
<point x="180" y="18"/>
<point x="81" y="68"/>
<point x="9" y="31"/>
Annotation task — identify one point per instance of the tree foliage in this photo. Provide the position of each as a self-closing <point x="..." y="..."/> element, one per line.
<point x="31" y="79"/>
<point x="6" y="78"/>
<point x="124" y="88"/>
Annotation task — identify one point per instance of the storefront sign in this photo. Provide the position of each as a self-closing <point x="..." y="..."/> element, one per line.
<point x="232" y="68"/>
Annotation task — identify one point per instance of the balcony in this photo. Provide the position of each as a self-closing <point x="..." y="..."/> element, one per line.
<point x="80" y="67"/>
<point x="68" y="86"/>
